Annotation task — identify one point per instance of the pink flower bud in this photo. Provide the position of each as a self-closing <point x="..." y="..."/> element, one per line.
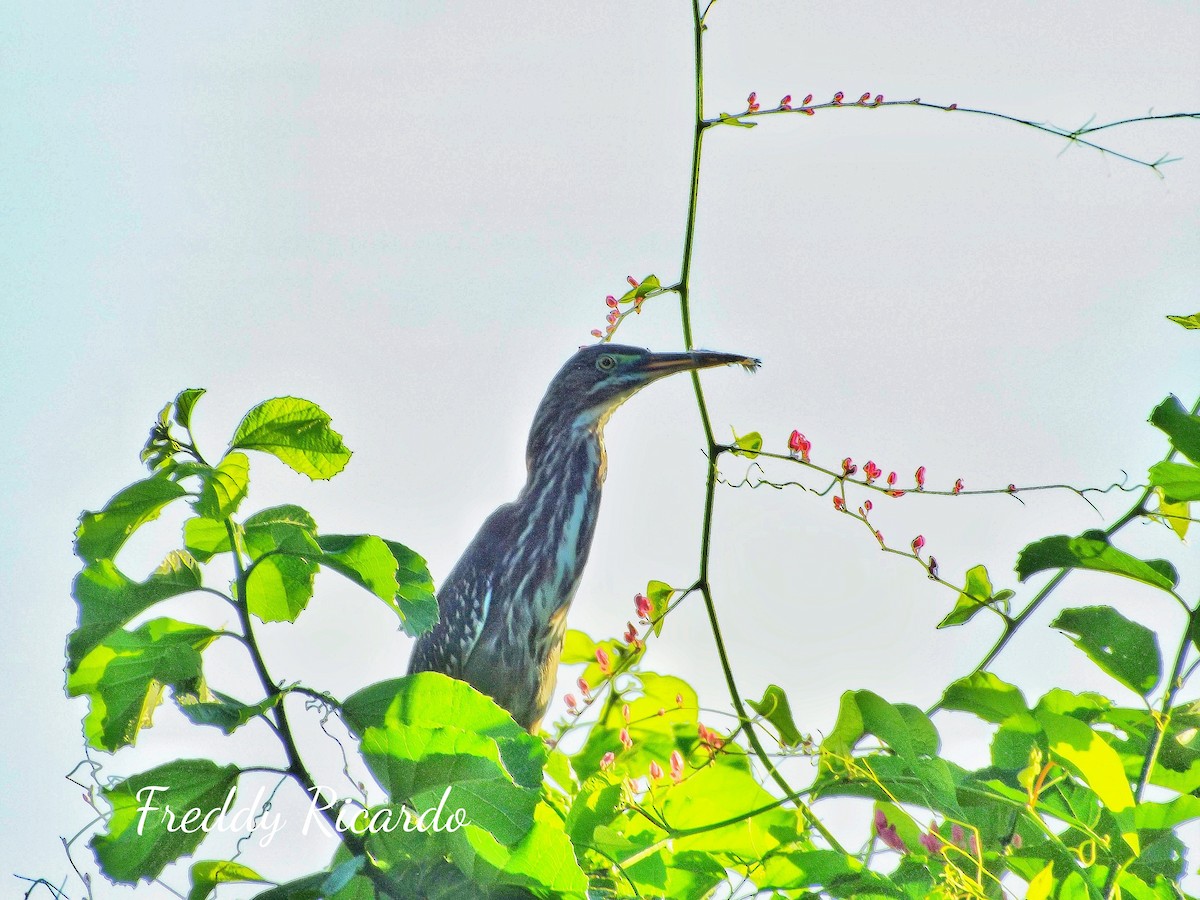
<point x="931" y="841"/>
<point x="807" y="100"/>
<point x="655" y="771"/>
<point x="864" y="98"/>
<point x="839" y="504"/>
<point x="879" y="537"/>
<point x="752" y="102"/>
<point x="786" y="102"/>
<point x="920" y="478"/>
<point x="632" y="281"/>
<point x="838" y="98"/>
<point x="868" y="505"/>
<point x="1012" y="488"/>
<point x="933" y="567"/>
<point x="958" y="486"/>
<point x="625" y="712"/>
<point x="571" y="702"/>
<point x="891" y="479"/>
<point x="872" y="471"/>
<point x="918" y="542"/>
<point x="642" y="604"/>
<point x="631" y="633"/>
<point x="611" y="301"/>
<point x="626" y="740"/>
<point x="879" y="99"/>
<point x="848" y="466"/>
<point x="676" y="766"/>
<point x="597" y="333"/>
<point x="607" y="761"/>
<point x="584" y="688"/>
<point x="604" y="660"/>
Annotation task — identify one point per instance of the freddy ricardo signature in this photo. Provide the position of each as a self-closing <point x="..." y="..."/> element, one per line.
<point x="155" y="811"/>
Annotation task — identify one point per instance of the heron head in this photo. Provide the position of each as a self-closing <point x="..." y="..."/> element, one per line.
<point x="600" y="377"/>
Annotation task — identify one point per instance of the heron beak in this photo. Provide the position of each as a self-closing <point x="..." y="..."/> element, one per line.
<point x="659" y="365"/>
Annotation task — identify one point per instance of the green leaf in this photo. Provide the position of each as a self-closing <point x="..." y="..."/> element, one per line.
<point x="976" y="594"/>
<point x="101" y="534"/>
<point x="597" y="803"/>
<point x="124" y="676"/>
<point x="185" y="402"/>
<point x="222" y="711"/>
<point x="108" y="599"/>
<point x="645" y="286"/>
<point x="224" y="488"/>
<point x="1176" y="514"/>
<point x="289" y="529"/>
<point x="838" y="874"/>
<point x="1179" y="481"/>
<point x="659" y="594"/>
<point x="415" y="599"/>
<point x="577" y="648"/>
<point x="279" y="587"/>
<point x="748" y="445"/>
<point x="137" y="844"/>
<point x="1091" y="550"/>
<point x="774" y="707"/>
<point x="341" y="875"/>
<point x="727" y="119"/>
<point x="207" y="874"/>
<point x="1190" y="322"/>
<point x="365" y="560"/>
<point x="902" y="727"/>
<point x="1124" y="649"/>
<point x="425" y="734"/>
<point x="1084" y="752"/>
<point x="1180" y="426"/>
<point x="986" y="696"/>
<point x="205" y="538"/>
<point x="295" y="431"/>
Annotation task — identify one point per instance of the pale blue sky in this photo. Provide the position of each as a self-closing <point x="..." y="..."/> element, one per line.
<point x="412" y="217"/>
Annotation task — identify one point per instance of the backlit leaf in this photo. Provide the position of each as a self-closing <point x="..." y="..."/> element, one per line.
<point x="1179" y="481"/>
<point x="295" y="431"/>
<point x="774" y="707"/>
<point x="1124" y="649"/>
<point x="1180" y="426"/>
<point x="1190" y="322"/>
<point x="185" y="402"/>
<point x="207" y="874"/>
<point x="101" y="534"/>
<point x="224" y="487"/>
<point x="1091" y="550"/>
<point x="976" y="594"/>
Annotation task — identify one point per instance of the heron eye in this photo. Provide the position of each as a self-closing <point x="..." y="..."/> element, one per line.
<point x="605" y="363"/>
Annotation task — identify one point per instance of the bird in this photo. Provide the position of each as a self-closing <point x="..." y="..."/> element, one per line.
<point x="503" y="607"/>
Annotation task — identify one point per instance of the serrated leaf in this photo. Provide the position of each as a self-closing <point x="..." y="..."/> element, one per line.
<point x="224" y="487"/>
<point x="124" y="676"/>
<point x="107" y="599"/>
<point x="1091" y="550"/>
<point x="415" y="599"/>
<point x="297" y="433"/>
<point x="363" y="558"/>
<point x="748" y="445"/>
<point x="1124" y="649"/>
<point x="775" y="708"/>
<point x="1180" y="426"/>
<point x="185" y="402"/>
<point x="279" y="587"/>
<point x="101" y="534"/>
<point x="136" y="844"/>
<point x="426" y="733"/>
<point x="208" y="873"/>
<point x="1179" y="481"/>
<point x="1189" y="322"/>
<point x="289" y="529"/>
<point x="205" y="538"/>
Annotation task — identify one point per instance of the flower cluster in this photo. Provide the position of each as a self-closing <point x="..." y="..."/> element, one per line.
<point x="615" y="315"/>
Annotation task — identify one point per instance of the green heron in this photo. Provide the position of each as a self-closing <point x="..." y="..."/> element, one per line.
<point x="504" y="604"/>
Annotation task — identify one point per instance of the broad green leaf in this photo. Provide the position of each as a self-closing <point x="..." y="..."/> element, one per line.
<point x="1124" y="649"/>
<point x="1176" y="514"/>
<point x="774" y="707"/>
<point x="365" y="560"/>
<point x="1180" y="426"/>
<point x="1086" y="753"/>
<point x="279" y="587"/>
<point x="847" y="730"/>
<point x="101" y="534"/>
<point x="1160" y="816"/>
<point x="185" y="402"/>
<point x="295" y="431"/>
<point x="903" y="727"/>
<point x="124" y="676"/>
<point x="1091" y="550"/>
<point x="1190" y="322"/>
<point x="747" y="445"/>
<point x="289" y="529"/>
<point x="415" y="599"/>
<point x="208" y="873"/>
<point x="222" y="711"/>
<point x="1179" y="481"/>
<point x="840" y="875"/>
<point x="597" y="803"/>
<point x="306" y="888"/>
<point x="108" y="599"/>
<point x="427" y="733"/>
<point x="138" y="842"/>
<point x="224" y="487"/>
<point x="986" y="696"/>
<point x="976" y="594"/>
<point x="659" y="594"/>
<point x="205" y="538"/>
<point x="645" y="286"/>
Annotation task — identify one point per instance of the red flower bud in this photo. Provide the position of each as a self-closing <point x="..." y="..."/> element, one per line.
<point x="917" y="543"/>
<point x="786" y="102"/>
<point x="1012" y="488"/>
<point x="584" y="688"/>
<point x="891" y="479"/>
<point x="879" y="99"/>
<point x="838" y="98"/>
<point x="879" y="537"/>
<point x="872" y="471"/>
<point x="920" y="478"/>
<point x="632" y="281"/>
<point x="752" y="102"/>
<point x="839" y="504"/>
<point x="626" y="740"/>
<point x="571" y="702"/>
<point x="848" y="466"/>
<point x="608" y="760"/>
<point x="597" y="333"/>
<point x="676" y="766"/>
<point x="864" y="98"/>
<point x="868" y="506"/>
<point x="952" y="106"/>
<point x="807" y="100"/>
<point x="958" y="486"/>
<point x="642" y="604"/>
<point x="604" y="660"/>
<point x="611" y="301"/>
